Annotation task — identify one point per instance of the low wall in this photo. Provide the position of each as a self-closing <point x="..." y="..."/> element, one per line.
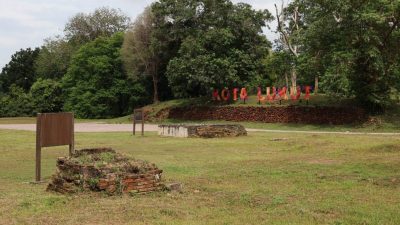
<point x="273" y="114"/>
<point x="202" y="131"/>
<point x="173" y="131"/>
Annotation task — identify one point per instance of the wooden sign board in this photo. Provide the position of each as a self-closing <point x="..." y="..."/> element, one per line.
<point x="138" y="116"/>
<point x="53" y="129"/>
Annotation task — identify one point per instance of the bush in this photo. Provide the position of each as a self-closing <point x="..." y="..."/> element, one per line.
<point x="16" y="103"/>
<point x="96" y="85"/>
<point x="46" y="96"/>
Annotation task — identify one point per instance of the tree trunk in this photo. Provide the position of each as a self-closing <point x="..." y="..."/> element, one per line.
<point x="155" y="91"/>
<point x="316" y="85"/>
<point x="287" y="80"/>
<point x="155" y="85"/>
<point x="294" y="78"/>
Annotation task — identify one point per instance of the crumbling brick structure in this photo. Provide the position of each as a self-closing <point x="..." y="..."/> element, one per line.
<point x="105" y="170"/>
<point x="272" y="114"/>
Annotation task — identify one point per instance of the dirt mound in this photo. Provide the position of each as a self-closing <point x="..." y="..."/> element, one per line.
<point x="103" y="169"/>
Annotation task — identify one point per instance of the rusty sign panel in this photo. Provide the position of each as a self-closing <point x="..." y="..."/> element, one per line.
<point x="138" y="116"/>
<point x="55" y="129"/>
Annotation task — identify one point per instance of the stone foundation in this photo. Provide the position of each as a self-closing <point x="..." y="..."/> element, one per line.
<point x="203" y="131"/>
<point x="104" y="170"/>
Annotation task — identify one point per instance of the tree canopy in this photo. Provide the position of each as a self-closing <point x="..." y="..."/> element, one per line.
<point x="139" y="50"/>
<point x="210" y="44"/>
<point x="96" y="85"/>
<point x="20" y="71"/>
<point x="356" y="45"/>
<point x="83" y="28"/>
<point x="54" y="58"/>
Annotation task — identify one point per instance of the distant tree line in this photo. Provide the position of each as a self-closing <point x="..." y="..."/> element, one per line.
<point x="104" y="65"/>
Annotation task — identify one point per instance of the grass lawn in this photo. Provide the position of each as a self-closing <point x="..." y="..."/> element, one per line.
<point x="306" y="179"/>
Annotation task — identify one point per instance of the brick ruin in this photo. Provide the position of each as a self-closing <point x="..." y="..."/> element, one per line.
<point x="104" y="170"/>
<point x="272" y="114"/>
<point x="202" y="131"/>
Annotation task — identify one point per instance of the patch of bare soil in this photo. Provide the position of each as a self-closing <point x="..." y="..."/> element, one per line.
<point x="386" y="148"/>
<point x="324" y="161"/>
<point x="392" y="182"/>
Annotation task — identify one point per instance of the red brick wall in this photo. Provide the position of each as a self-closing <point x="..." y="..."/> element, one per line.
<point x="273" y="114"/>
<point x="133" y="183"/>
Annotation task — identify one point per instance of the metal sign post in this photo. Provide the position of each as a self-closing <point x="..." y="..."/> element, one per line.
<point x="53" y="129"/>
<point x="138" y="116"/>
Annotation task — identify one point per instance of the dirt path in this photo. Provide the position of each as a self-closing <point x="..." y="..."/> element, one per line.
<point x="102" y="127"/>
<point x="86" y="127"/>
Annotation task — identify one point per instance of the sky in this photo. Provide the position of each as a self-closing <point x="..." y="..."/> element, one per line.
<point x="26" y="23"/>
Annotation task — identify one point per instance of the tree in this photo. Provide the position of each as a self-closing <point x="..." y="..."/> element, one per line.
<point x="96" y="85"/>
<point x="139" y="51"/>
<point x="46" y="96"/>
<point x="210" y="44"/>
<point x="278" y="63"/>
<point x="289" y="27"/>
<point x="54" y="58"/>
<point x="359" y="45"/>
<point x="83" y="28"/>
<point x="20" y="70"/>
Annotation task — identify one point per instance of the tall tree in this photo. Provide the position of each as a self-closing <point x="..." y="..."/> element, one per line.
<point x="103" y="21"/>
<point x="96" y="86"/>
<point x="20" y="70"/>
<point x="210" y="44"/>
<point x="54" y="58"/>
<point x="139" y="50"/>
<point x="289" y="28"/>
<point x="359" y="45"/>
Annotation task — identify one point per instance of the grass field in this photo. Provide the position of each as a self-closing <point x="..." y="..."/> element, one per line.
<point x="305" y="179"/>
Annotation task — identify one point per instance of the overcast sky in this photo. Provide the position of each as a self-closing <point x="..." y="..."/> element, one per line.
<point x="26" y="23"/>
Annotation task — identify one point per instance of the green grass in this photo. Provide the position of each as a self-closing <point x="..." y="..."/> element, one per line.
<point x="306" y="179"/>
<point x="17" y="120"/>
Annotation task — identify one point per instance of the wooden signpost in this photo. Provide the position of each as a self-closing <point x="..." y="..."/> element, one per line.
<point x="53" y="129"/>
<point x="138" y="116"/>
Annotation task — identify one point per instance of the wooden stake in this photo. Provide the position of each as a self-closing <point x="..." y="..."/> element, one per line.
<point x="134" y="124"/>
<point x="38" y="148"/>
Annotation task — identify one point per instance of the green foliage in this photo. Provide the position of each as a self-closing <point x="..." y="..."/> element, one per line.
<point x="358" y="44"/>
<point x="140" y="54"/>
<point x="210" y="44"/>
<point x="46" y="96"/>
<point x="103" y="22"/>
<point x="20" y="70"/>
<point x="96" y="85"/>
<point x="279" y="66"/>
<point x="16" y="103"/>
<point x="54" y="58"/>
